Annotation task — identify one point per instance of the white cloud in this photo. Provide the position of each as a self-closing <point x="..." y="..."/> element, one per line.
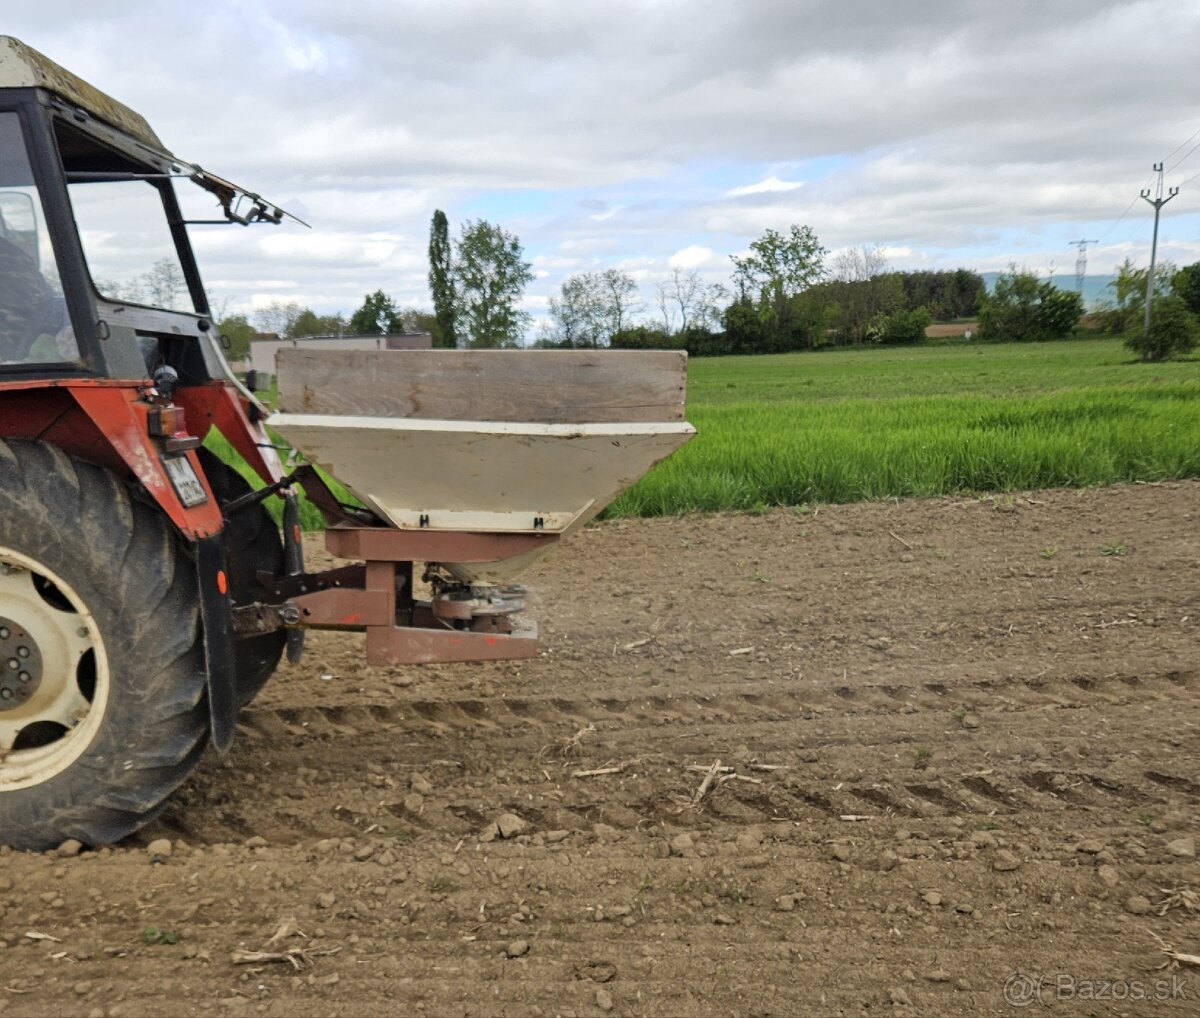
<point x="692" y="257"/>
<point x="948" y="132"/>
<point x="768" y="186"/>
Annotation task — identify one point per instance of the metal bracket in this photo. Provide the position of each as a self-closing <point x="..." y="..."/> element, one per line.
<point x="256" y="619"/>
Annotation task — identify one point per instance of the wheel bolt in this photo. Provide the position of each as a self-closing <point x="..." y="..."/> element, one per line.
<point x="3" y="632"/>
<point x="81" y="631"/>
<point x="6" y="694"/>
<point x="22" y="652"/>
<point x="24" y="676"/>
<point x="13" y="664"/>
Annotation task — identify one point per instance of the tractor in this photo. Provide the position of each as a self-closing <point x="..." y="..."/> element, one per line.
<point x="147" y="592"/>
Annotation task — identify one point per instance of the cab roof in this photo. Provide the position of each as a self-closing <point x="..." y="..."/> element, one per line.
<point x="22" y="66"/>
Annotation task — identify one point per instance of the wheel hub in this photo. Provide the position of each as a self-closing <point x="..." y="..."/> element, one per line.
<point x="20" y="665"/>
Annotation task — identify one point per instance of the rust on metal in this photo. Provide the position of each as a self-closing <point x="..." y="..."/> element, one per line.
<point x="345" y="608"/>
<point x="384" y="544"/>
<point x="411" y="646"/>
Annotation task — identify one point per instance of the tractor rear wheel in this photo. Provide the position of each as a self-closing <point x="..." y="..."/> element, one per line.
<point x="103" y="710"/>
<point x="252" y="543"/>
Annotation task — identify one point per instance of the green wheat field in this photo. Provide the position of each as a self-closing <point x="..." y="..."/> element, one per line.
<point x="844" y="426"/>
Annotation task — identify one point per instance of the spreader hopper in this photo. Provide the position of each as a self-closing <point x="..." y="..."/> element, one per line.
<point x="495" y="441"/>
<point x="476" y="463"/>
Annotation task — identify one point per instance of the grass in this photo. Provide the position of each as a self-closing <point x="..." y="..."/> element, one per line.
<point x="849" y="425"/>
<point x="852" y="425"/>
<point x="310" y="515"/>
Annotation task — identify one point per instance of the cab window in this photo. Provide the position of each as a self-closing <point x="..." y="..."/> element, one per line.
<point x="34" y="325"/>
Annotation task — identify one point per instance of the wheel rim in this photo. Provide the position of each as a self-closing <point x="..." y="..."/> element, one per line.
<point x="54" y="679"/>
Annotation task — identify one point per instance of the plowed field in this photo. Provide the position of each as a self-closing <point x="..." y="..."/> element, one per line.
<point x="957" y="740"/>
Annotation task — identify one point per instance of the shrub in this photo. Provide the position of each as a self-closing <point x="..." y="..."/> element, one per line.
<point x="1172" y="331"/>
<point x="1025" y="309"/>
<point x="902" y="327"/>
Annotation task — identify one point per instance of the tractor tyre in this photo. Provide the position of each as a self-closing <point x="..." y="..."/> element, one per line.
<point x="252" y="542"/>
<point x="103" y="707"/>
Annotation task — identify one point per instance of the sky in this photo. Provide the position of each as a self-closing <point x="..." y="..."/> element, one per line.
<point x="649" y="135"/>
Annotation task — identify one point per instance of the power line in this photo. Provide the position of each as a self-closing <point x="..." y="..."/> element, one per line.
<point x="1179" y="146"/>
<point x="1117" y="221"/>
<point x="1183" y="158"/>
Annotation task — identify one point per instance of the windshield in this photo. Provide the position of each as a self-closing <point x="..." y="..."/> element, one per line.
<point x="34" y="327"/>
<point x="127" y="242"/>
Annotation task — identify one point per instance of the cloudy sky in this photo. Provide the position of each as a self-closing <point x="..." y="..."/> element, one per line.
<point x="651" y="134"/>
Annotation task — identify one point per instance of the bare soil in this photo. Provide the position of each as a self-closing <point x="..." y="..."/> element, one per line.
<point x="964" y="743"/>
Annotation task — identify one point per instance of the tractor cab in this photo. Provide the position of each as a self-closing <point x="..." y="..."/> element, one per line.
<point x="97" y="274"/>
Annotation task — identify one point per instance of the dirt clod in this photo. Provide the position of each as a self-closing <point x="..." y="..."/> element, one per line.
<point x="517" y="948"/>
<point x="1137" y="904"/>
<point x="1005" y="861"/>
<point x="683" y="845"/>
<point x="160" y="848"/>
<point x="1183" y="848"/>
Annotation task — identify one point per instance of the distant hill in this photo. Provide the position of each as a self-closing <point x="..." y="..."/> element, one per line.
<point x="1095" y="288"/>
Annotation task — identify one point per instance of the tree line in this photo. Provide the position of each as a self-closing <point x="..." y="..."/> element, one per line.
<point x="784" y="294"/>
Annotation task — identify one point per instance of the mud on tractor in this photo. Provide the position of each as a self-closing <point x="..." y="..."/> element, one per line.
<point x="146" y="591"/>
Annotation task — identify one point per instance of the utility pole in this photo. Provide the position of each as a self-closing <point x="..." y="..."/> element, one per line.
<point x="1081" y="262"/>
<point x="1158" y="202"/>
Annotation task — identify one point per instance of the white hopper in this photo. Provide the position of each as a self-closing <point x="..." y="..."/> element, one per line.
<point x="545" y="475"/>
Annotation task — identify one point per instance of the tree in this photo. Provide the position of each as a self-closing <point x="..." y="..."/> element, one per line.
<point x="441" y="280"/>
<point x="619" y="301"/>
<point x="378" y="316"/>
<point x="1023" y="308"/>
<point x="592" y="307"/>
<point x="277" y="317"/>
<point x="862" y="292"/>
<point x="685" y="298"/>
<point x="778" y="269"/>
<point x="165" y="284"/>
<point x="576" y="312"/>
<point x="309" y="323"/>
<point x="1172" y="331"/>
<point x="420" y="320"/>
<point x="1127" y="306"/>
<point x="239" y="333"/>
<point x="489" y="277"/>
<point x="1185" y="284"/>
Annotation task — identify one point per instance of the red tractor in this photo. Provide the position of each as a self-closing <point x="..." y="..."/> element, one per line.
<point x="119" y="570"/>
<point x="146" y="593"/>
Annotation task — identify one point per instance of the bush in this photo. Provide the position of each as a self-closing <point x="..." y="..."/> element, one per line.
<point x="1172" y="331"/>
<point x="1025" y="309"/>
<point x="902" y="327"/>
